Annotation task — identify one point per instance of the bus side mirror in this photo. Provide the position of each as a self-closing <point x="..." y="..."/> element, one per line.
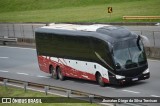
<point x="138" y="40"/>
<point x="145" y="40"/>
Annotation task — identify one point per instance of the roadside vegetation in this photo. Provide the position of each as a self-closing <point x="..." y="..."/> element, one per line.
<point x="18" y="92"/>
<point x="76" y="10"/>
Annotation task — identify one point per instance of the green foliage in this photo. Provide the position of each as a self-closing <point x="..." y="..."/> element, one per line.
<point x="75" y="10"/>
<point x="25" y="5"/>
<point x="18" y="92"/>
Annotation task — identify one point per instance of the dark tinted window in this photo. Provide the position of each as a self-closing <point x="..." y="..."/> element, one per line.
<point x="75" y="47"/>
<point x="42" y="44"/>
<point x="78" y="47"/>
<point x="102" y="52"/>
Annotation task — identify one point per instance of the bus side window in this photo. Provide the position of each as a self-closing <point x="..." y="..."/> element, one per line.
<point x="77" y="47"/>
<point x="102" y="49"/>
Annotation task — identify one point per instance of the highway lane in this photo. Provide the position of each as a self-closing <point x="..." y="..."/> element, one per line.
<point x="21" y="64"/>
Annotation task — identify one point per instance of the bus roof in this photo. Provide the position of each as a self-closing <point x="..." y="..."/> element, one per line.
<point x="108" y="33"/>
<point x="75" y="27"/>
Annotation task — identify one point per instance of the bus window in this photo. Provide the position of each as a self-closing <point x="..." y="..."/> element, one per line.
<point x="127" y="54"/>
<point x="102" y="50"/>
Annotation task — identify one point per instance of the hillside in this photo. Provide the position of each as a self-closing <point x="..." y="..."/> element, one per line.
<point x="25" y="5"/>
<point x="74" y="10"/>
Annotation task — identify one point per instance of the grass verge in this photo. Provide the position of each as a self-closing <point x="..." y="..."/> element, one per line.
<point x="18" y="92"/>
<point x="77" y="10"/>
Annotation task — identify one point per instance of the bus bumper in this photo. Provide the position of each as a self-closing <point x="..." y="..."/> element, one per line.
<point x="128" y="80"/>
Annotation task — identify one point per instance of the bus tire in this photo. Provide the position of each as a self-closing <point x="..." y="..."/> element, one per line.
<point x="100" y="80"/>
<point x="60" y="75"/>
<point x="53" y="72"/>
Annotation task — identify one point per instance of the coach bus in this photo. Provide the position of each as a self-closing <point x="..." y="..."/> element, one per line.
<point x="102" y="53"/>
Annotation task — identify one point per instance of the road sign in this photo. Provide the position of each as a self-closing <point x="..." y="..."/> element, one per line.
<point x="110" y="10"/>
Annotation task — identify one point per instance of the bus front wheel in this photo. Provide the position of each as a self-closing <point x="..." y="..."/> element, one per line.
<point x="100" y="80"/>
<point x="60" y="74"/>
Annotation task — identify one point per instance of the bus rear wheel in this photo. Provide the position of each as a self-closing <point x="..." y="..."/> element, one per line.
<point x="100" y="80"/>
<point x="53" y="72"/>
<point x="60" y="75"/>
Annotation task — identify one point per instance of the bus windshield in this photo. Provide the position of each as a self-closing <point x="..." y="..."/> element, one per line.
<point x="129" y="53"/>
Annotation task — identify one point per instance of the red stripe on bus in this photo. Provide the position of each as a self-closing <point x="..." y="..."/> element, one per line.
<point x="68" y="71"/>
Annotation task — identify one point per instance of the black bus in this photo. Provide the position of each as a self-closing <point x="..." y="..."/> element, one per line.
<point x="106" y="54"/>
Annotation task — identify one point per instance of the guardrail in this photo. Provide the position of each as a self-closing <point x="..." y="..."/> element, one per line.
<point x="49" y="87"/>
<point x="140" y="17"/>
<point x="5" y="39"/>
<point x="24" y="30"/>
<point x="92" y="98"/>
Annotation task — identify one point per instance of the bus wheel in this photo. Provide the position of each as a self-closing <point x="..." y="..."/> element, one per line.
<point x="60" y="75"/>
<point x="100" y="80"/>
<point x="53" y="72"/>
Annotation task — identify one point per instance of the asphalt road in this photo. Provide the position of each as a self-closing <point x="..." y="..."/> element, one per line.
<point x="21" y="64"/>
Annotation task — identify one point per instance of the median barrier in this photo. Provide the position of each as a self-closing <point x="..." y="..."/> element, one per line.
<point x="5" y="39"/>
<point x="152" y="52"/>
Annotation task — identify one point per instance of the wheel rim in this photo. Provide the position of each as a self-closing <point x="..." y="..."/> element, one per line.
<point x="60" y="74"/>
<point x="53" y="72"/>
<point x="100" y="80"/>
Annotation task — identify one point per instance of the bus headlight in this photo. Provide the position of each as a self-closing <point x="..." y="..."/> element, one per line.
<point x="146" y="71"/>
<point x="119" y="77"/>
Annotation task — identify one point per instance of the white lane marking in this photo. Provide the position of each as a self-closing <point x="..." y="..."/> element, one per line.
<point x="22" y="73"/>
<point x="17" y="47"/>
<point x="3" y="71"/>
<point x="110" y="87"/>
<point x="25" y="74"/>
<point x="130" y="91"/>
<point x="155" y="96"/>
<point x="42" y="76"/>
<point x="4" y="57"/>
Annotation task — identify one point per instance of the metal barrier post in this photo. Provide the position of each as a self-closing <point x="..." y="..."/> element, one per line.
<point x="154" y="39"/>
<point x="68" y="93"/>
<point x="91" y="97"/>
<point x="14" y="31"/>
<point x="8" y="29"/>
<point x="46" y="89"/>
<point x="25" y="86"/>
<point x="5" y="82"/>
<point x="33" y="31"/>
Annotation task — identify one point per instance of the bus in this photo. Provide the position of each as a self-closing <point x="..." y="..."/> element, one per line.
<point x="103" y="53"/>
